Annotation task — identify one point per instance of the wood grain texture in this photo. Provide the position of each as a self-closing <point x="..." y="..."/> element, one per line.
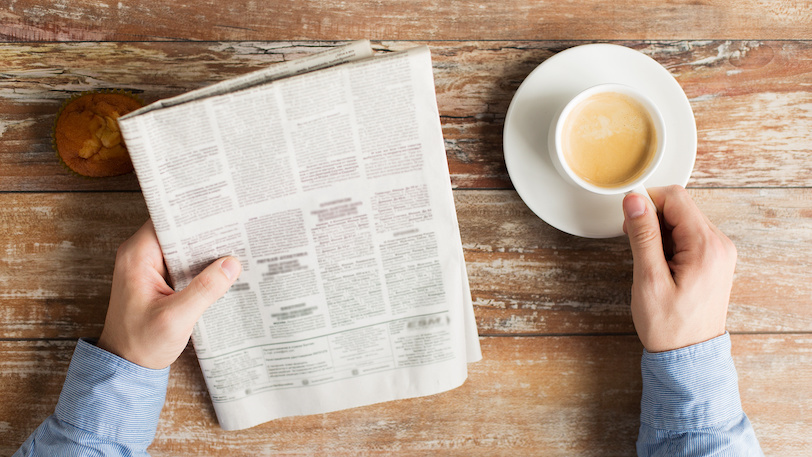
<point x="526" y="277"/>
<point x="752" y="100"/>
<point x="104" y="20"/>
<point x="552" y="396"/>
<point x="560" y="374"/>
<point x="57" y="262"/>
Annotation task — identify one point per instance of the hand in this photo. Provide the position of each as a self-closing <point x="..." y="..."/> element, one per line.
<point x="147" y="322"/>
<point x="683" y="270"/>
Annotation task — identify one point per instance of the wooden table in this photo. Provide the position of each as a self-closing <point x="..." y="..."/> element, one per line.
<point x="560" y="374"/>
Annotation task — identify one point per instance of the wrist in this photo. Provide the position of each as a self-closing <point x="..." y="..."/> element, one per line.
<point x="107" y="344"/>
<point x="111" y="397"/>
<point x="691" y="387"/>
<point x="657" y="345"/>
<point x="119" y="349"/>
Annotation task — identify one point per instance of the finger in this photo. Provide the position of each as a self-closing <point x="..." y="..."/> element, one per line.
<point x="643" y="228"/>
<point x="206" y="288"/>
<point x="657" y="195"/>
<point x="680" y="211"/>
<point x="145" y="233"/>
<point x="693" y="235"/>
<point x="143" y="246"/>
<point x="710" y="228"/>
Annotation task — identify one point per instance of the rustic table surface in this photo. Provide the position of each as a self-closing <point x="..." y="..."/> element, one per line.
<point x="560" y="374"/>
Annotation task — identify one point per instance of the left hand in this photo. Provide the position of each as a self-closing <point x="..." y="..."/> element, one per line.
<point x="147" y="322"/>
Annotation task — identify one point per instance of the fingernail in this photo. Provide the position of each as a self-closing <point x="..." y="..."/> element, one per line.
<point x="634" y="206"/>
<point x="231" y="267"/>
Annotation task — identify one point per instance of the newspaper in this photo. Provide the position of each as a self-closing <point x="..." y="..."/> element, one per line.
<point x="332" y="188"/>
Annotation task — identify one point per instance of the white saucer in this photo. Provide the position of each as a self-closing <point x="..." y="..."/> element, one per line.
<point x="547" y="88"/>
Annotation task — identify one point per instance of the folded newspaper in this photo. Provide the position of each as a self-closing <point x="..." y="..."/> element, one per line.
<point x="327" y="177"/>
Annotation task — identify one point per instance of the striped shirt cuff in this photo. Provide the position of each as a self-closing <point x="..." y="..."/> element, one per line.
<point x="690" y="388"/>
<point x="111" y="397"/>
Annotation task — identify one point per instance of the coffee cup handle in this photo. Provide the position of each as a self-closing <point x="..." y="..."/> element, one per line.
<point x="642" y="191"/>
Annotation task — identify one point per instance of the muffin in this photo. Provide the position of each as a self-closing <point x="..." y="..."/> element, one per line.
<point x="86" y="134"/>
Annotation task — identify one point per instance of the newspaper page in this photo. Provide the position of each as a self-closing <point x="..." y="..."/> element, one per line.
<point x="332" y="188"/>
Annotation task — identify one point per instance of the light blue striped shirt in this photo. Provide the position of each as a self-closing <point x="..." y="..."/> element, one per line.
<point x="691" y="404"/>
<point x="108" y="407"/>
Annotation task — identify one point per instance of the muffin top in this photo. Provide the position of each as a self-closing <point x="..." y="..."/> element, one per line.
<point x="87" y="136"/>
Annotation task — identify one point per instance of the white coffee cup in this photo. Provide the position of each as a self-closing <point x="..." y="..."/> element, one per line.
<point x="557" y="148"/>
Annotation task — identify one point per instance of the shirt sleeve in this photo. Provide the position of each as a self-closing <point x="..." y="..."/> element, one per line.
<point x="108" y="407"/>
<point x="691" y="405"/>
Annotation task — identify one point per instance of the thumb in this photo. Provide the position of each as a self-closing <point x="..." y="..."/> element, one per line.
<point x="207" y="287"/>
<point x="643" y="228"/>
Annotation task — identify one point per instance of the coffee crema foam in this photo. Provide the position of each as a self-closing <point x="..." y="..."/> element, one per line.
<point x="609" y="139"/>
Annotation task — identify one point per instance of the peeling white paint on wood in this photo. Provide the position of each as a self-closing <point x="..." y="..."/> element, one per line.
<point x="753" y="119"/>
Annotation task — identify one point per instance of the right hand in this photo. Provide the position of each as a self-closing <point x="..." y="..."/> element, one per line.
<point x="683" y="270"/>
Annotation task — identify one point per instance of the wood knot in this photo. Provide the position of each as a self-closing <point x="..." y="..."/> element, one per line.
<point x="751" y="55"/>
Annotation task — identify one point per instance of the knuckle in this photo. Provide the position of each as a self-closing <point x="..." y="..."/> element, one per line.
<point x="730" y="246"/>
<point x="676" y="190"/>
<point x="122" y="249"/>
<point x="656" y="287"/>
<point x="123" y="255"/>
<point x="645" y="236"/>
<point x="720" y="250"/>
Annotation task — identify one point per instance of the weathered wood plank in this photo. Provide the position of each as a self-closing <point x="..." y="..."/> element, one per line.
<point x="100" y="20"/>
<point x="57" y="261"/>
<point x="528" y="396"/>
<point x="753" y="101"/>
<point x="571" y="394"/>
<point x="526" y="277"/>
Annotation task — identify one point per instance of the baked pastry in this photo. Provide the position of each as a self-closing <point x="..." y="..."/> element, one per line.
<point x="87" y="137"/>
